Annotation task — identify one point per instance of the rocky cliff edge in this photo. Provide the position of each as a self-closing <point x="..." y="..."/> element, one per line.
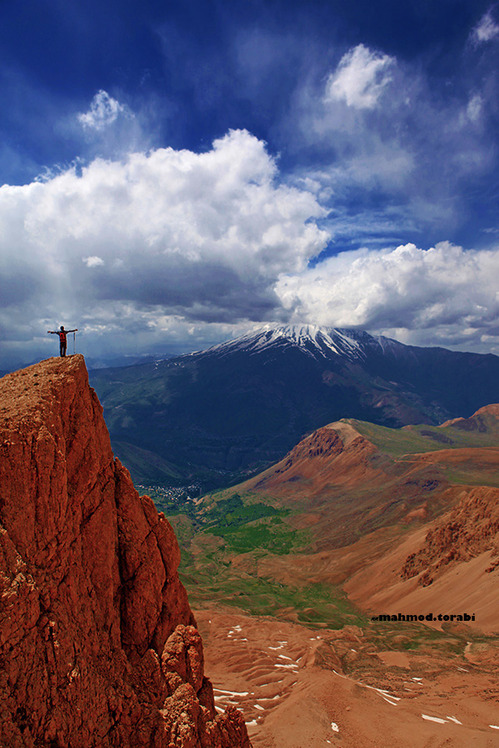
<point x="98" y="645"/>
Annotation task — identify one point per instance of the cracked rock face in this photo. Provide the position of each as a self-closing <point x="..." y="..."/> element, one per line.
<point x="98" y="645"/>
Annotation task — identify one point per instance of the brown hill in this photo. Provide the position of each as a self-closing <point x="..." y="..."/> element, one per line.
<point x="485" y="419"/>
<point x="448" y="567"/>
<point x="333" y="455"/>
<point x="399" y="521"/>
<point x="344" y="486"/>
<point x="98" y="644"/>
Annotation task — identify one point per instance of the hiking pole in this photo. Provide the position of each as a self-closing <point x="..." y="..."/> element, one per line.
<point x="74" y="342"/>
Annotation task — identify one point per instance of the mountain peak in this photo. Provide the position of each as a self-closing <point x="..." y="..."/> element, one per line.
<point x="312" y="339"/>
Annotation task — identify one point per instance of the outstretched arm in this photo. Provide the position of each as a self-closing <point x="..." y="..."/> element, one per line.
<point x="52" y="332"/>
<point x="75" y="330"/>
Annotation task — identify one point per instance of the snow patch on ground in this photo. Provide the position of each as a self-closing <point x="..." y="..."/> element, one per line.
<point x="230" y="693"/>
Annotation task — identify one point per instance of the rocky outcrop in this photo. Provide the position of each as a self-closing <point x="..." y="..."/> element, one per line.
<point x="98" y="645"/>
<point x="470" y="529"/>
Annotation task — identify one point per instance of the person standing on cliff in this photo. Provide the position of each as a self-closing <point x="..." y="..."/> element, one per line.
<point x="63" y="338"/>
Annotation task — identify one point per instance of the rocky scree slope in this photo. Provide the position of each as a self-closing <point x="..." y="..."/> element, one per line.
<point x="98" y="645"/>
<point x="470" y="529"/>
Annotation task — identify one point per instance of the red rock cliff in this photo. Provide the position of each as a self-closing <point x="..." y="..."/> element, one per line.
<point x="98" y="645"/>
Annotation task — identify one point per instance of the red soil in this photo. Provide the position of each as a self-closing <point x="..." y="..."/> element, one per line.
<point x="300" y="688"/>
<point x="97" y="642"/>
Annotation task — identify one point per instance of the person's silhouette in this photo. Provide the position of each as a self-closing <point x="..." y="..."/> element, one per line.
<point x="63" y="340"/>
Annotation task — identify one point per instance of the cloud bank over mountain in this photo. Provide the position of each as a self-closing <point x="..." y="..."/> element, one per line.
<point x="408" y="292"/>
<point x="173" y="240"/>
<point x="322" y="163"/>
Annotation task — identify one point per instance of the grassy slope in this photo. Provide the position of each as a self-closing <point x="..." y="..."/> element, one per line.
<point x="222" y="539"/>
<point x="423" y="438"/>
<point x="402" y="443"/>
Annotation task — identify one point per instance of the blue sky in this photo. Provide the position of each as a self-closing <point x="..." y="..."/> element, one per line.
<point x="175" y="174"/>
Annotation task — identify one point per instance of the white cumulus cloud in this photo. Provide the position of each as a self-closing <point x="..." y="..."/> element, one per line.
<point x="446" y="291"/>
<point x="387" y="139"/>
<point x="360" y="78"/>
<point x="475" y="108"/>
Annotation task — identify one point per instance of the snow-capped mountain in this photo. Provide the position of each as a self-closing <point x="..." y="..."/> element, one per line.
<point x="213" y="415"/>
<point x="311" y="339"/>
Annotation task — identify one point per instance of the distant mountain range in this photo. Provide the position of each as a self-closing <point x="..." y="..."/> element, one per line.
<point x="215" y="416"/>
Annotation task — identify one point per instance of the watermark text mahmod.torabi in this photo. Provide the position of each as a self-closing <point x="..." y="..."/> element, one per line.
<point x="394" y="617"/>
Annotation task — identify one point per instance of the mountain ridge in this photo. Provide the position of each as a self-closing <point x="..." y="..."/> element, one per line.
<point x="220" y="414"/>
<point x="339" y="340"/>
